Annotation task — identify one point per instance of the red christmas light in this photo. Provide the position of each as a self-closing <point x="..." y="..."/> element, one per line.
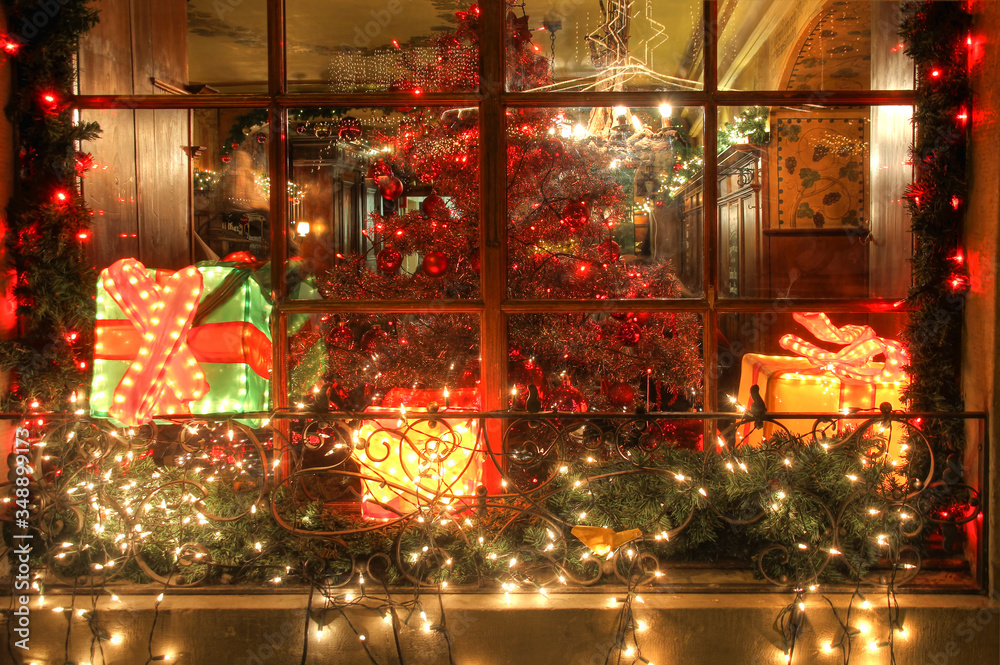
<point x="10" y="46"/>
<point x="61" y="196"/>
<point x="935" y="73"/>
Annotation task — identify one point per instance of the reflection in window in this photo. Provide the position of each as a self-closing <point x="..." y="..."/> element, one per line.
<point x="593" y="203"/>
<point x="349" y="362"/>
<point x="605" y="361"/>
<point x="613" y="45"/>
<point x="816" y="45"/>
<point x="232" y="186"/>
<point x="394" y="46"/>
<point x="811" y="201"/>
<point x="388" y="202"/>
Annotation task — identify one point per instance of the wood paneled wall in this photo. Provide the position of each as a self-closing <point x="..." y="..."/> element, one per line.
<point x="141" y="190"/>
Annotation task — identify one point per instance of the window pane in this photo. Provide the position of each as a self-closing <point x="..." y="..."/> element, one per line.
<point x="182" y="46"/>
<point x="350" y="361"/>
<point x="811" y="202"/>
<point x="232" y="186"/>
<point x="171" y="186"/>
<point x="606" y="362"/>
<point x="648" y="45"/>
<point x="385" y="202"/>
<point x="394" y="45"/>
<point x="793" y="374"/>
<point x="604" y="203"/>
<point x="792" y="45"/>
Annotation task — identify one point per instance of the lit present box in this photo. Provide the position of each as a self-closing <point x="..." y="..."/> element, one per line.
<point x="194" y="341"/>
<point x="415" y="457"/>
<point x="822" y="381"/>
<point x="794" y="385"/>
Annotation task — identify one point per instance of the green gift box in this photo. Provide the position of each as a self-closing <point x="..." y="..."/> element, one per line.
<point x="151" y="343"/>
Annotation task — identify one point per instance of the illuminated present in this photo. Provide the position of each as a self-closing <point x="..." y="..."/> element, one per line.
<point x="195" y="341"/>
<point x="821" y="381"/>
<point x="417" y="458"/>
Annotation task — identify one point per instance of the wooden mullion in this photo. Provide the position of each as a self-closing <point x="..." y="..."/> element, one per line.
<point x="493" y="224"/>
<point x="835" y="305"/>
<point x="379" y="99"/>
<point x="277" y="65"/>
<point x="548" y="100"/>
<point x="603" y="306"/>
<point x="710" y="213"/>
<point x="382" y="306"/>
<point x="170" y="101"/>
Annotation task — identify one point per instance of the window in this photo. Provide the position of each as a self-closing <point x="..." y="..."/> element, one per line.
<point x="602" y="206"/>
<point x="613" y="215"/>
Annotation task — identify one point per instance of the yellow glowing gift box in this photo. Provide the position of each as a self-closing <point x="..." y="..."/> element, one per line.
<point x="412" y="457"/>
<point x="822" y="381"/>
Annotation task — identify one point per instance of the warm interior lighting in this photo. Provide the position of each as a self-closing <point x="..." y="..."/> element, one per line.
<point x="416" y="459"/>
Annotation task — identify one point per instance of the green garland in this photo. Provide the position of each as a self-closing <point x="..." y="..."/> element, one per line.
<point x="805" y="498"/>
<point x="935" y="35"/>
<point x="47" y="221"/>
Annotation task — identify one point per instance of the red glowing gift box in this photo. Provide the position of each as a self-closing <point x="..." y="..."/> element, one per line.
<point x="419" y="450"/>
<point x="821" y="381"/>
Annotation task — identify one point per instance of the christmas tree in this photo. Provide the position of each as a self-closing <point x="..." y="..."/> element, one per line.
<point x="572" y="180"/>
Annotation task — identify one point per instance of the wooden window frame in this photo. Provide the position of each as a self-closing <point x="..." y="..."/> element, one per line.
<point x="492" y="101"/>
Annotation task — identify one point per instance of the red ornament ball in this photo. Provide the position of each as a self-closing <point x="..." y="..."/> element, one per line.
<point x="379" y="169"/>
<point x="428" y="171"/>
<point x="390" y="187"/>
<point x="621" y="394"/>
<point x="434" y="207"/>
<point x="435" y="264"/>
<point x="341" y="336"/>
<point x="301" y="128"/>
<point x="549" y="149"/>
<point x="262" y="138"/>
<point x="388" y="260"/>
<point x="469" y="377"/>
<point x="629" y="333"/>
<point x="642" y="318"/>
<point x="234" y="145"/>
<point x="566" y="398"/>
<point x="608" y="251"/>
<point x="474" y="261"/>
<point x="349" y="129"/>
<point x="575" y="215"/>
<point x="373" y="340"/>
<point x="322" y="131"/>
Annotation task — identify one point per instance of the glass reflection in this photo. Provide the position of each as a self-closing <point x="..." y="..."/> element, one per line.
<point x="596" y="203"/>
<point x="386" y="201"/>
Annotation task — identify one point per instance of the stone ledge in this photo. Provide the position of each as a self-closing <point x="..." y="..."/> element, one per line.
<point x="566" y="629"/>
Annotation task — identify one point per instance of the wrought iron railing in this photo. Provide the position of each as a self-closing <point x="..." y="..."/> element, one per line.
<point x="508" y="501"/>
